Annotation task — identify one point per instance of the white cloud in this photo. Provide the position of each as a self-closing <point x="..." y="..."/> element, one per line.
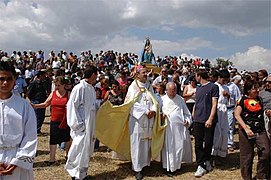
<point x="109" y="25"/>
<point x="122" y="43"/>
<point x="253" y="59"/>
<point x="167" y="28"/>
<point x="129" y="11"/>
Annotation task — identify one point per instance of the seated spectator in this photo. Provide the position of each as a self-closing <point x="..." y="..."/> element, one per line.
<point x="115" y="96"/>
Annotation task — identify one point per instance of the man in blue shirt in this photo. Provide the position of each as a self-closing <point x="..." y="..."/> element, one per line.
<point x="204" y="120"/>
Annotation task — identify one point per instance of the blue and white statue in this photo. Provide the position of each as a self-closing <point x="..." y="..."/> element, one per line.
<point x="147" y="55"/>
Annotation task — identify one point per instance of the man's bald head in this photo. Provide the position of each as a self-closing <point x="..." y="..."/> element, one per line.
<point x="171" y="90"/>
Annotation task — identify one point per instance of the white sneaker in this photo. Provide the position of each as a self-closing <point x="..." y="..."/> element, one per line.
<point x="208" y="166"/>
<point x="200" y="172"/>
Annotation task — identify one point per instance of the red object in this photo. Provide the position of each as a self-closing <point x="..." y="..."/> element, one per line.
<point x="103" y="90"/>
<point x="58" y="105"/>
<point x="252" y="105"/>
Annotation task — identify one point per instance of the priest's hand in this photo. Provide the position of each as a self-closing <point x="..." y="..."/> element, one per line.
<point x="2" y="167"/>
<point x="8" y="169"/>
<point x="151" y="114"/>
<point x="186" y="124"/>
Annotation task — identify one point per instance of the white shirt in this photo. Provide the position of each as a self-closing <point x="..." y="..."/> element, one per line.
<point x="18" y="136"/>
<point x="56" y="64"/>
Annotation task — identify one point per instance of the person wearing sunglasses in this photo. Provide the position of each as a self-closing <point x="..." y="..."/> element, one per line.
<point x="265" y="94"/>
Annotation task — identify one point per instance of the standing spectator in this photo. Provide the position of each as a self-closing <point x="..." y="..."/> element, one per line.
<point x="99" y="101"/>
<point x="59" y="130"/>
<point x="17" y="128"/>
<point x="189" y="93"/>
<point x="20" y="84"/>
<point x="262" y="74"/>
<point x="183" y="79"/>
<point x="123" y="81"/>
<point x="104" y="87"/>
<point x="29" y="74"/>
<point x="177" y="145"/>
<point x="204" y="115"/>
<point x="176" y="80"/>
<point x="163" y="75"/>
<point x="265" y="94"/>
<point x="40" y="65"/>
<point x="109" y="75"/>
<point x="81" y="110"/>
<point x="36" y="93"/>
<point x="56" y="64"/>
<point x="220" y="147"/>
<point x="160" y="92"/>
<point x="235" y="95"/>
<point x="250" y="115"/>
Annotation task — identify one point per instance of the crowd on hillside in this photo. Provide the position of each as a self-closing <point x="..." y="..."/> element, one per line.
<point x="240" y="96"/>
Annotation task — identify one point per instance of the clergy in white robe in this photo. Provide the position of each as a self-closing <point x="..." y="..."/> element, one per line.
<point x="18" y="130"/>
<point x="141" y="121"/>
<point x="81" y="112"/>
<point x="220" y="143"/>
<point x="177" y="145"/>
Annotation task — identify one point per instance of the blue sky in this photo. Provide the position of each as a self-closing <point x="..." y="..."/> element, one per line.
<point x="238" y="30"/>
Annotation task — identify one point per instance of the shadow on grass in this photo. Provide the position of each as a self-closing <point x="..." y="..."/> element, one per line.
<point x="154" y="170"/>
<point x="42" y="164"/>
<point x="43" y="134"/>
<point x="42" y="152"/>
<point x="124" y="170"/>
<point x="103" y="149"/>
<point x="231" y="162"/>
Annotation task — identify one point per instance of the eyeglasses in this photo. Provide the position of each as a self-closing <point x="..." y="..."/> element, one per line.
<point x="267" y="81"/>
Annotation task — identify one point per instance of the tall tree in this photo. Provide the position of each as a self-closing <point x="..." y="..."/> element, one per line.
<point x="223" y="63"/>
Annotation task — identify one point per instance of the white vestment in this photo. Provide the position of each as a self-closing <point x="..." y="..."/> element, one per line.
<point x="220" y="145"/>
<point x="18" y="137"/>
<point x="140" y="127"/>
<point x="81" y="112"/>
<point x="177" y="146"/>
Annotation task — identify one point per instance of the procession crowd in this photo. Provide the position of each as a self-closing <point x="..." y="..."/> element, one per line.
<point x="140" y="112"/>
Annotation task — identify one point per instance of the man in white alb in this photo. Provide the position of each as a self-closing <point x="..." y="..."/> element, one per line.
<point x="141" y="121"/>
<point x="18" y="133"/>
<point x="81" y="119"/>
<point x="177" y="145"/>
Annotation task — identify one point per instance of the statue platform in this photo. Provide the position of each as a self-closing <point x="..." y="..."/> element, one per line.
<point x="150" y="66"/>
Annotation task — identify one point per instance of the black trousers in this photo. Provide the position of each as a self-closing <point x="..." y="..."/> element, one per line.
<point x="203" y="142"/>
<point x="247" y="155"/>
<point x="40" y="113"/>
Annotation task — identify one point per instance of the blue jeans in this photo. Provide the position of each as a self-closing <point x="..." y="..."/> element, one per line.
<point x="231" y="121"/>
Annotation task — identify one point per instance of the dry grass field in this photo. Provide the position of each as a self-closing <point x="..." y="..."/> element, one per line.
<point x="102" y="166"/>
